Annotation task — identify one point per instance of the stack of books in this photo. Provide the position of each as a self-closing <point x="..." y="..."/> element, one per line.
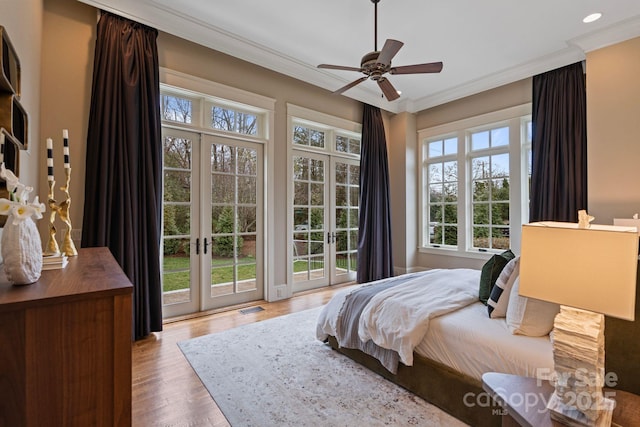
<point x="53" y="262"/>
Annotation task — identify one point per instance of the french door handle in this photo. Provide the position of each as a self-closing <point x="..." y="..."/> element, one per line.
<point x="331" y="237"/>
<point x="205" y="245"/>
<point x="197" y="246"/>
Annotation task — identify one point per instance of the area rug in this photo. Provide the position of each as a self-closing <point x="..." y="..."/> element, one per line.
<point x="276" y="373"/>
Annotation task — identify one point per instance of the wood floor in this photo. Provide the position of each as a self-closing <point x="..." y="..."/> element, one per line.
<point x="166" y="391"/>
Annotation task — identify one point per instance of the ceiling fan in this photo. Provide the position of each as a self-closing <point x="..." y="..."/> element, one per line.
<point x="378" y="63"/>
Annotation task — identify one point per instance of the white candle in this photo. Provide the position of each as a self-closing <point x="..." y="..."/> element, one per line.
<point x="49" y="159"/>
<point x="65" y="148"/>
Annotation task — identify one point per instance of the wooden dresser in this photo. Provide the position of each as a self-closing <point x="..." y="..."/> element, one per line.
<point x="65" y="346"/>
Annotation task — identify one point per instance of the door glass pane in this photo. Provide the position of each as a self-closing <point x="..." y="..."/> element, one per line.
<point x="308" y="215"/>
<point x="347" y="212"/>
<point x="234" y="219"/>
<point x="176" y="267"/>
<point x="176" y="271"/>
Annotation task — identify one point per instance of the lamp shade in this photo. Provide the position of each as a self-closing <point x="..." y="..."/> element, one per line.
<point x="588" y="268"/>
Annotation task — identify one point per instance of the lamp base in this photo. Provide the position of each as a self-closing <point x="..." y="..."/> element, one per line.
<point x="578" y="355"/>
<point x="571" y="416"/>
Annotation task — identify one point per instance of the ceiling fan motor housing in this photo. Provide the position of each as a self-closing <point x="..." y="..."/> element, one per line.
<point x="371" y="67"/>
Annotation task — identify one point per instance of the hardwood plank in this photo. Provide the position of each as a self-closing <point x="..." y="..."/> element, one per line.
<point x="166" y="391"/>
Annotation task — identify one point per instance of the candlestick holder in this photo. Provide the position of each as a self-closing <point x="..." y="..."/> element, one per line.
<point x="62" y="209"/>
<point x="52" y="244"/>
<point x="68" y="247"/>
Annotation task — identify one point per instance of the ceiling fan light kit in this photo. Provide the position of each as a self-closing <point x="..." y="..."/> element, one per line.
<point x="378" y="63"/>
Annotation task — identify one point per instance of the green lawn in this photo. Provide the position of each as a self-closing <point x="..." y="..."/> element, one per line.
<point x="176" y="271"/>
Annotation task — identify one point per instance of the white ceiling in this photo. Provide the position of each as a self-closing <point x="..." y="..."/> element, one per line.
<point x="483" y="44"/>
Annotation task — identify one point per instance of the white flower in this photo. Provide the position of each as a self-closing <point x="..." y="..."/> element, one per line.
<point x="21" y="212"/>
<point x="18" y="207"/>
<point x="38" y="207"/>
<point x="7" y="175"/>
<point x="5" y="207"/>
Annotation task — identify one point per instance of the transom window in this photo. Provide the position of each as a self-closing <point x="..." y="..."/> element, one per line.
<point x="346" y="144"/>
<point x="303" y="135"/>
<point x="183" y="108"/>
<point x="176" y="108"/>
<point x="230" y="120"/>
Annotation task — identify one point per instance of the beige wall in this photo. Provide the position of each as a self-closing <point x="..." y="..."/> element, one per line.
<point x="502" y="97"/>
<point x="403" y="164"/>
<point x="22" y="20"/>
<point x="67" y="60"/>
<point x="613" y="129"/>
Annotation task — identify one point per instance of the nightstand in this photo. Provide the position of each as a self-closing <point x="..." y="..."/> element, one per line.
<point x="524" y="400"/>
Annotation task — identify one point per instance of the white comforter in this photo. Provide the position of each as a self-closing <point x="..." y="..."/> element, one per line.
<point x="398" y="318"/>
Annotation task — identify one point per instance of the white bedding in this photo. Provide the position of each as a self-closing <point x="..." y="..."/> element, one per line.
<point x="466" y="339"/>
<point x="398" y="318"/>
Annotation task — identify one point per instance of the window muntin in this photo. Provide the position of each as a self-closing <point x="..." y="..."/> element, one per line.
<point x="441" y="227"/>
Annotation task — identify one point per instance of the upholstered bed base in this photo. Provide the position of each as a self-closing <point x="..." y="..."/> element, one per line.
<point x="451" y="391"/>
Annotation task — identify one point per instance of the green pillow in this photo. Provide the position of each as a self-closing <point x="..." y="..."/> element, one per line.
<point x="490" y="272"/>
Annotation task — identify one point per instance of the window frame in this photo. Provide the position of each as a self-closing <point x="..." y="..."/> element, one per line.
<point x="515" y="118"/>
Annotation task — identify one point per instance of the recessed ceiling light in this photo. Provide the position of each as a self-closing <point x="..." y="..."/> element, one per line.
<point x="592" y="17"/>
<point x="399" y="92"/>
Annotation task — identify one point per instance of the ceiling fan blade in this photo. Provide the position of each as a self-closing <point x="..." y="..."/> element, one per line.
<point x="387" y="88"/>
<point x="350" y="85"/>
<point x="389" y="50"/>
<point x="338" y="67"/>
<point x="431" y="67"/>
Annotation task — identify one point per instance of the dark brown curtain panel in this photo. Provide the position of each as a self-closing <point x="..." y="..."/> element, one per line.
<point x="375" y="260"/>
<point x="124" y="161"/>
<point x="559" y="146"/>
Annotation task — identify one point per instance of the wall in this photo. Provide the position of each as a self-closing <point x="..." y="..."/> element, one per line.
<point x="613" y="131"/>
<point x="516" y="93"/>
<point x="22" y="20"/>
<point x="67" y="59"/>
<point x="403" y="163"/>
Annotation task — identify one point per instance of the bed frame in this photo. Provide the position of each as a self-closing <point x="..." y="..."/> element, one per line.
<point x="438" y="384"/>
<point x="449" y="389"/>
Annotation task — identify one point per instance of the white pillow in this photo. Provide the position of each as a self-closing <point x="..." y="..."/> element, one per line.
<point x="529" y="316"/>
<point x="499" y="299"/>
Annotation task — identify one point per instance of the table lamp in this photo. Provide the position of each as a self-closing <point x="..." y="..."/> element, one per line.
<point x="590" y="270"/>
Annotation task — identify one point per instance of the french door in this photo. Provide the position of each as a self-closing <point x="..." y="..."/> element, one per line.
<point x="324" y="238"/>
<point x="213" y="222"/>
